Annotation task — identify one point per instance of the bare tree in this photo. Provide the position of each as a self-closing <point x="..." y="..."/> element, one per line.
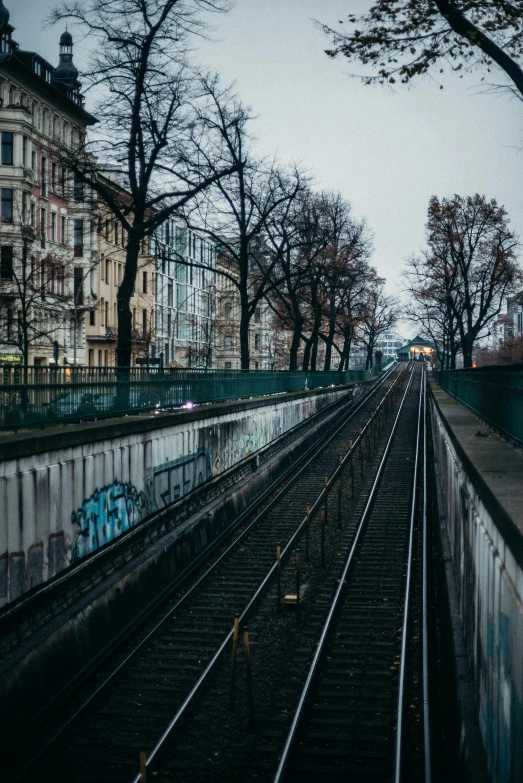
<point x="379" y="315"/>
<point x="295" y="234"/>
<point x="469" y="268"/>
<point x="345" y="264"/>
<point x="149" y="127"/>
<point x="430" y="304"/>
<point x="402" y="39"/>
<point x="235" y="209"/>
<point x="36" y="295"/>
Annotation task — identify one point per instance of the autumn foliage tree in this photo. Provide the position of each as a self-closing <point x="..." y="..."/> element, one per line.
<point x="402" y="39"/>
<point x="468" y="269"/>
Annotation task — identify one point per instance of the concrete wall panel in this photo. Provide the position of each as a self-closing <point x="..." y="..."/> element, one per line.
<point x="490" y="591"/>
<point x="61" y="504"/>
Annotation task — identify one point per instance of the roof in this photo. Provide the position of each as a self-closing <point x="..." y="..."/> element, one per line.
<point x="417" y="341"/>
<point x="59" y="85"/>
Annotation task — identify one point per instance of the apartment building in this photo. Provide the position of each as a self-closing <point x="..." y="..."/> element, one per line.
<point x="267" y="344"/>
<point x="47" y="233"/>
<point x="185" y="297"/>
<point x="105" y="276"/>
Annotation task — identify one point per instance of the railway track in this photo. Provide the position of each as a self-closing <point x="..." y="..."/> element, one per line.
<point x="138" y="702"/>
<point x="340" y="691"/>
<point x="360" y="714"/>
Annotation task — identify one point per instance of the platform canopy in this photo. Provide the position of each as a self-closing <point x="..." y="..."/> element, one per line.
<point x="418" y="348"/>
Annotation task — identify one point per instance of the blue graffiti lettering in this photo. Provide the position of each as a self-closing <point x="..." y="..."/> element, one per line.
<point x="108" y="513"/>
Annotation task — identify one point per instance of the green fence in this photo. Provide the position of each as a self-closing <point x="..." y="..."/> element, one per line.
<point x="495" y="393"/>
<point x="42" y="396"/>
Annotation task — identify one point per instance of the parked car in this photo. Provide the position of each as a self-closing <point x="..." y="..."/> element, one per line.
<point x="73" y="404"/>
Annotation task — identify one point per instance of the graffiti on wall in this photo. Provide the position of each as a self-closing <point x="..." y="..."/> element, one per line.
<point x="107" y="514"/>
<point x="170" y="480"/>
<point x="20" y="571"/>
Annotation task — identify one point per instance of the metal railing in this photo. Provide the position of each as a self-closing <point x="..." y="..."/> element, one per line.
<point x="495" y="393"/>
<point x="43" y="396"/>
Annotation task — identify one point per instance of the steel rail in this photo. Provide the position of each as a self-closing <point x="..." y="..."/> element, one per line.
<point x="216" y="657"/>
<point x="291" y="736"/>
<point x="427" y="753"/>
<point x="398" y="771"/>
<point x="313" y="450"/>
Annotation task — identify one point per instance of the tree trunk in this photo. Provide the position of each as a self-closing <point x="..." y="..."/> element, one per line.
<point x="330" y="335"/>
<point x="314" y="352"/>
<point x="467" y="352"/>
<point x="125" y="292"/>
<point x="295" y="344"/>
<point x="244" y="339"/>
<point x="307" y="354"/>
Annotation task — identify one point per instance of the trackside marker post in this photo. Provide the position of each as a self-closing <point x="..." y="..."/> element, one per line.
<point x="278" y="573"/>
<point x="249" y="674"/>
<point x="235" y="634"/>
<point x="307" y="531"/>
<point x="323" y="538"/>
<point x="298" y="586"/>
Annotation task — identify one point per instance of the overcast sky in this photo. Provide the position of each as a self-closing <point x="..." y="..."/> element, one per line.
<point x="387" y="152"/>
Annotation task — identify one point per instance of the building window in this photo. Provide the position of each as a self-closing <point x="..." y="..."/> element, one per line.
<point x="78" y="238"/>
<point x="78" y="285"/>
<point x="227" y="341"/>
<point x="227" y="365"/>
<point x="257" y="316"/>
<point x="169" y="322"/>
<point x="54" y="169"/>
<point x="257" y="341"/>
<point x="227" y="308"/>
<point x="42" y="279"/>
<point x="107" y="271"/>
<point x="52" y="276"/>
<point x="102" y="311"/>
<point x="78" y="188"/>
<point x="33" y="215"/>
<point x="144" y="282"/>
<point x="116" y="232"/>
<point x="43" y="226"/>
<point x="43" y="176"/>
<point x="6" y="262"/>
<point x="7" y="205"/>
<point x="63" y="237"/>
<point x="33" y="160"/>
<point x="170" y="293"/>
<point x="53" y="226"/>
<point x="63" y="180"/>
<point x="7" y="148"/>
<point x="107" y="314"/>
<point x="107" y="230"/>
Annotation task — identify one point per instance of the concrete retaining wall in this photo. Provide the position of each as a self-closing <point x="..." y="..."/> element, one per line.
<point x="64" y="493"/>
<point x="487" y="555"/>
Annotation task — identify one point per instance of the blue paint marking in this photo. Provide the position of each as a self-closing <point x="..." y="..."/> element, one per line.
<point x="107" y="514"/>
